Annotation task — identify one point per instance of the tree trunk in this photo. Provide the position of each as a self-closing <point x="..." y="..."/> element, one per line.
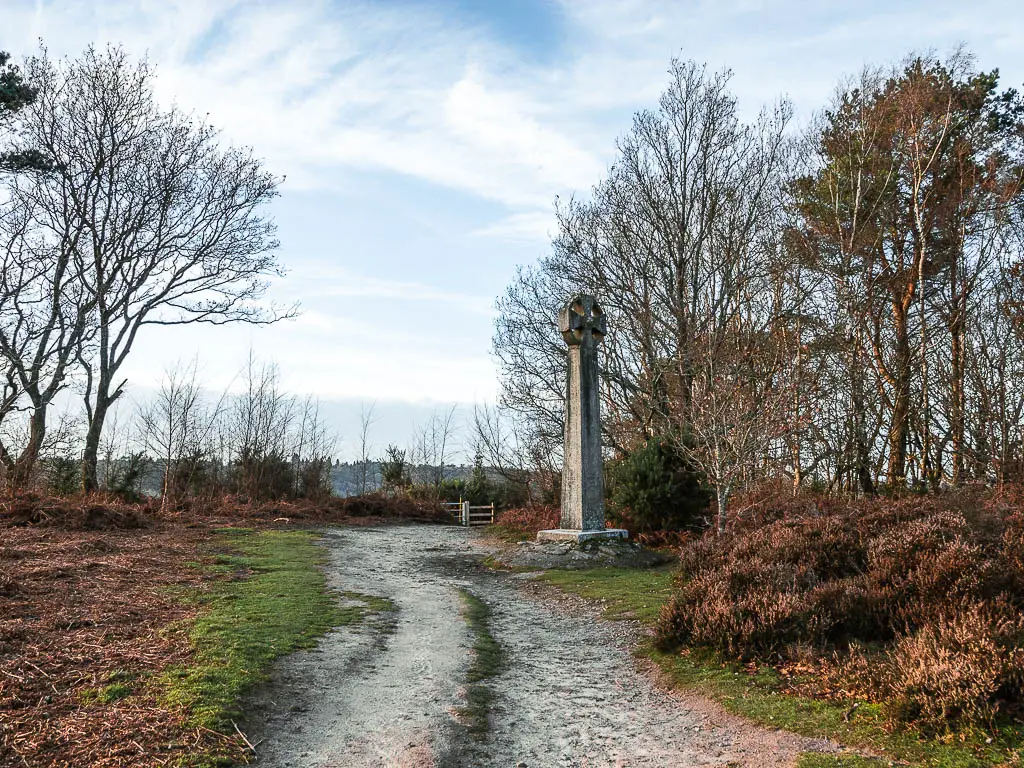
<point x="899" y="425"/>
<point x="957" y="418"/>
<point x="23" y="468"/>
<point x="684" y="351"/>
<point x="723" y="501"/>
<point x="90" y="456"/>
<point x="168" y="490"/>
<point x="862" y="454"/>
<point x="797" y="432"/>
<point x="958" y="364"/>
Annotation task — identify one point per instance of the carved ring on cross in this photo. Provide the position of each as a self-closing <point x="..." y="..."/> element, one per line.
<point x="582" y="315"/>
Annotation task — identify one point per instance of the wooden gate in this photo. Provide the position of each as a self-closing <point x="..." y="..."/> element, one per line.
<point x="464" y="514"/>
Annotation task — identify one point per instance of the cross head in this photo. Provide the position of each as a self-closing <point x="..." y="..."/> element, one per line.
<point x="581" y="318"/>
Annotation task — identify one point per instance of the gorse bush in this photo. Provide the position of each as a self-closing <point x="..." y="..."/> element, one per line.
<point x="655" y="489"/>
<point x="313" y="478"/>
<point x="913" y="602"/>
<point x="126" y="476"/>
<point x="478" y="487"/>
<point x="63" y="475"/>
<point x="263" y="475"/>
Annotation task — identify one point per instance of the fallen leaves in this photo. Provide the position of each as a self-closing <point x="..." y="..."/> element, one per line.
<point x="79" y="609"/>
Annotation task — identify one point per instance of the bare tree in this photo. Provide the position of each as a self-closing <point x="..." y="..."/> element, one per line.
<point x="124" y="458"/>
<point x="260" y="423"/>
<point x="58" y="457"/>
<point x="737" y="409"/>
<point x="366" y="420"/>
<point x="169" y="226"/>
<point x="45" y="311"/>
<point x="176" y="424"/>
<point x="676" y="238"/>
<point x="503" y="446"/>
<point x="433" y="445"/>
<point x="313" y="453"/>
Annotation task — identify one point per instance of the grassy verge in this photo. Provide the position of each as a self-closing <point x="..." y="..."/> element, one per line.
<point x="819" y="760"/>
<point x="759" y="696"/>
<point x="272" y="601"/>
<point x="624" y="593"/>
<point x="488" y="660"/>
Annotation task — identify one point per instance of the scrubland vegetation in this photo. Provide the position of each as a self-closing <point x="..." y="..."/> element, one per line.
<point x="915" y="603"/>
<point x="904" y="614"/>
<point x="812" y="391"/>
<point x="816" y="328"/>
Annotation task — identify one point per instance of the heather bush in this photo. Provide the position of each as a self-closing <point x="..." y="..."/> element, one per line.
<point x="965" y="666"/>
<point x="529" y="519"/>
<point x="914" y="602"/>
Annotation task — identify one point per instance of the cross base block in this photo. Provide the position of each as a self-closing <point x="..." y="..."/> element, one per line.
<point x="568" y="534"/>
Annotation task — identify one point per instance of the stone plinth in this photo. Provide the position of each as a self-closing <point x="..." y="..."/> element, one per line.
<point x="569" y="534"/>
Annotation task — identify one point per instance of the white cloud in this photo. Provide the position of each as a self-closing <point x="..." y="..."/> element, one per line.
<point x="328" y="281"/>
<point x="529" y="227"/>
<point x="500" y="123"/>
<point x="318" y="86"/>
<point x="331" y="93"/>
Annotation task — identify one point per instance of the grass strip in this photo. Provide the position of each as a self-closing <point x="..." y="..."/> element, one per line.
<point x="624" y="593"/>
<point x="760" y="696"/>
<point x="820" y="760"/>
<point x="273" y="600"/>
<point x="488" y="661"/>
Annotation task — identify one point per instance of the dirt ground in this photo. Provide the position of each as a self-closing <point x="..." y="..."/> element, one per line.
<point x="387" y="692"/>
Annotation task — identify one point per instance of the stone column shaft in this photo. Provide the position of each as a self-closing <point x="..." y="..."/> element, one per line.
<point x="582" y="477"/>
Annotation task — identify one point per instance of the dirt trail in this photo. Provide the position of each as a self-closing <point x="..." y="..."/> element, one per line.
<point x="385" y="693"/>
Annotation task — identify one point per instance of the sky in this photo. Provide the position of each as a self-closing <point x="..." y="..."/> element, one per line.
<point x="423" y="143"/>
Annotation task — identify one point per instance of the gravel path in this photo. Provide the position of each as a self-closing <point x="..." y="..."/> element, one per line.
<point x="386" y="692"/>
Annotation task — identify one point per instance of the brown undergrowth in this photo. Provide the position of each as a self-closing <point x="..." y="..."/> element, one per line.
<point x="84" y="611"/>
<point x="99" y="512"/>
<point x="529" y="519"/>
<point x="524" y="522"/>
<point x="93" y="608"/>
<point x="913" y="603"/>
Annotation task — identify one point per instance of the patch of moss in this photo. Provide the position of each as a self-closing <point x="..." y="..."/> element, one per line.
<point x="507" y="533"/>
<point x="118" y="686"/>
<point x="494" y="564"/>
<point x="371" y="603"/>
<point x="108" y="694"/>
<point x="624" y="593"/>
<point x="820" y="760"/>
<point x="488" y="661"/>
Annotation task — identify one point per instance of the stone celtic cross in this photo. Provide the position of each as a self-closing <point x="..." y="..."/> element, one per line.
<point x="583" y="327"/>
<point x="582" y="320"/>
